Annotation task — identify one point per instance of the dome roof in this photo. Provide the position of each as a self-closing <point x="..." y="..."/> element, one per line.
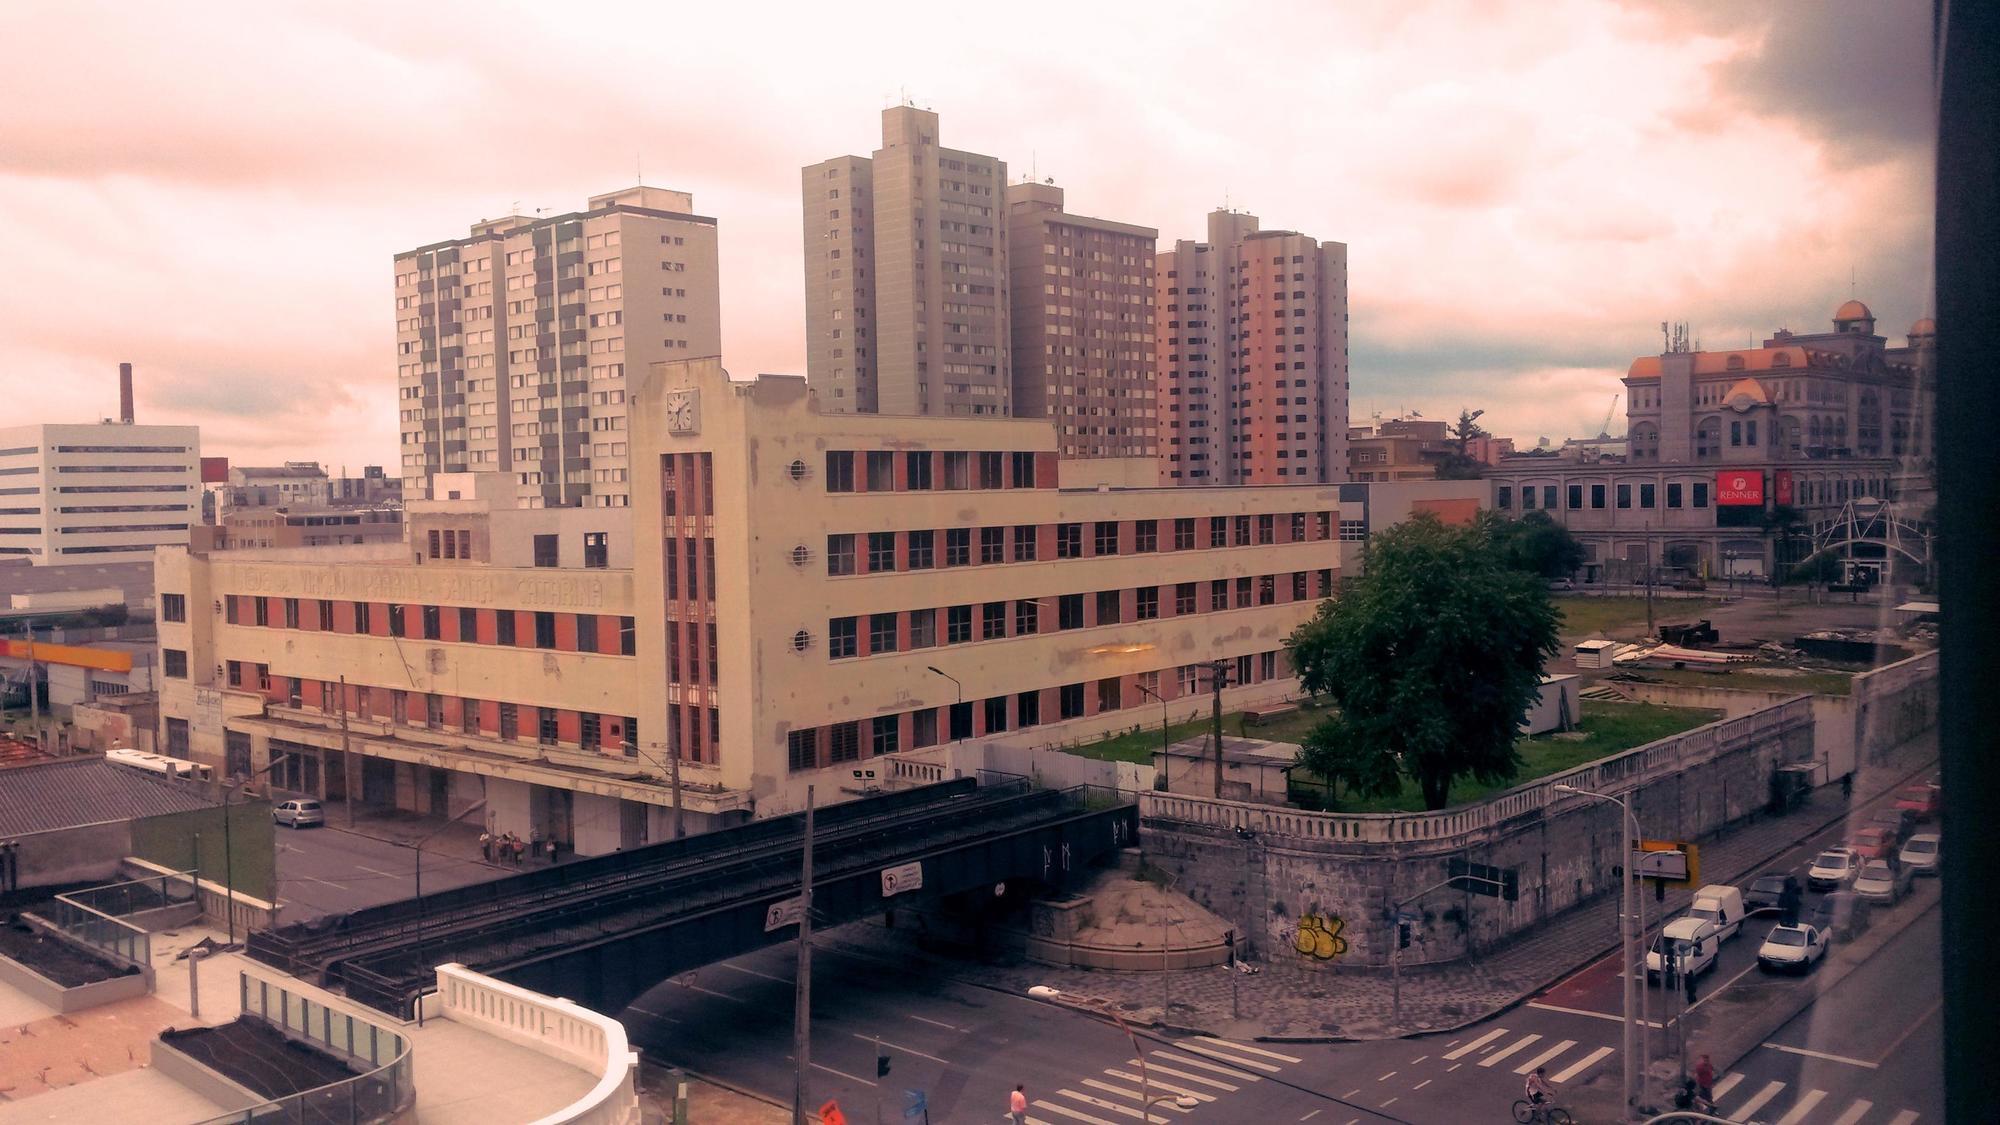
<point x="1853" y="310"/>
<point x="1924" y="327"/>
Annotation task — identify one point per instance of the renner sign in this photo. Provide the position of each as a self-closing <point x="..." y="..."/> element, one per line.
<point x="1739" y="486"/>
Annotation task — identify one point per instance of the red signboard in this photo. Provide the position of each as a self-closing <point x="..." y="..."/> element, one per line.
<point x="1734" y="487"/>
<point x="1784" y="486"/>
<point x="215" y="470"/>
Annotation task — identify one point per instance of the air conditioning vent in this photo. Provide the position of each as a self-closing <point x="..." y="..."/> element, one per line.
<point x="800" y="470"/>
<point x="801" y="641"/>
<point x="801" y="555"/>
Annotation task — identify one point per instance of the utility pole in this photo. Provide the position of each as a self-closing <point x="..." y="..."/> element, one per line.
<point x="346" y="756"/>
<point x="674" y="775"/>
<point x="1218" y="675"/>
<point x="802" y="986"/>
<point x="1652" y="576"/>
<point x="34" y="693"/>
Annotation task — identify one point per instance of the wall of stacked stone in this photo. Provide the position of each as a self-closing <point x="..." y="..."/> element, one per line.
<point x="1895" y="703"/>
<point x="1319" y="887"/>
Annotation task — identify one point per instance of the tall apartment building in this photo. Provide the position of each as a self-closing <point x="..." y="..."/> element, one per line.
<point x="1081" y="300"/>
<point x="906" y="276"/>
<point x="1252" y="356"/>
<point x="512" y="343"/>
<point x="96" y="493"/>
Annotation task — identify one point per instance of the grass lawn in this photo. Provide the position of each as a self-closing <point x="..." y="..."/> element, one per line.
<point x="1608" y="728"/>
<point x="1747" y="678"/>
<point x="1583" y="616"/>
<point x="1139" y="745"/>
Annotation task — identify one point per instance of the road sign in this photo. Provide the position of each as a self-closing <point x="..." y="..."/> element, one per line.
<point x="785" y="912"/>
<point x="1689" y="875"/>
<point x="829" y="1114"/>
<point x="1669" y="863"/>
<point x="918" y="1107"/>
<point x="903" y="877"/>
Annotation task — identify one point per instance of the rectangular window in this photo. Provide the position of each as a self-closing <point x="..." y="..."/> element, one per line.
<point x="230" y="612"/>
<point x="586" y="632"/>
<point x="1028" y="709"/>
<point x="1701" y="494"/>
<point x="992" y="621"/>
<point x="434" y="711"/>
<point x="846" y="743"/>
<point x="1528" y="498"/>
<point x="1148" y="603"/>
<point x="596" y="550"/>
<point x="630" y="742"/>
<point x="802" y="749"/>
<point x="546" y="727"/>
<point x="1646" y="496"/>
<point x="1242" y="531"/>
<point x="1575" y="497"/>
<point x="1184" y="534"/>
<point x="881" y="633"/>
<point x="961" y="721"/>
<point x="1242" y="592"/>
<point x="590" y="731"/>
<point x="1024" y="543"/>
<point x="958" y="546"/>
<point x="923" y="728"/>
<point x="235" y="673"/>
<point x="1109" y="697"/>
<point x="1070" y="701"/>
<point x="545" y="629"/>
<point x="510" y="721"/>
<point x="840" y="638"/>
<point x="958" y="624"/>
<point x="1549" y="497"/>
<point x="1069" y="611"/>
<point x="885" y="735"/>
<point x="546" y="550"/>
<point x="1596" y="496"/>
<point x="1267" y="589"/>
<point x="1027" y="617"/>
<point x="628" y="635"/>
<point x="839" y="477"/>
<point x="991" y="470"/>
<point x="175" y="662"/>
<point x="262" y="608"/>
<point x="173" y="607"/>
<point x="881" y="471"/>
<point x="1184" y="595"/>
<point x="1503" y="497"/>
<point x="1218" y="595"/>
<point x="1022" y="470"/>
<point x="1624" y="496"/>
<point x="839" y="557"/>
<point x="326" y="617"/>
<point x="918" y="466"/>
<point x="1218" y="531"/>
<point x="1299" y="593"/>
<point x="992" y="545"/>
<point x="1298" y="527"/>
<point x="1736" y="433"/>
<point x="1069" y="540"/>
<point x="881" y="551"/>
<point x="433" y="618"/>
<point x="957" y="470"/>
<point x="1267" y="530"/>
<point x="503" y="626"/>
<point x="996" y="714"/>
<point x="923" y="628"/>
<point x="1106" y="538"/>
<point x="396" y="623"/>
<point x="922" y="550"/>
<point x="1107" y="607"/>
<point x="291" y="613"/>
<point x="468" y="716"/>
<point x="1750" y="432"/>
<point x="1674" y="495"/>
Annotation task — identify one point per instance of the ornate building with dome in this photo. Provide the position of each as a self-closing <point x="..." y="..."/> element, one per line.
<point x="1716" y="440"/>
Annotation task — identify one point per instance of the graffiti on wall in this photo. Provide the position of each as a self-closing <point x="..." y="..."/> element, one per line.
<point x="1319" y="937"/>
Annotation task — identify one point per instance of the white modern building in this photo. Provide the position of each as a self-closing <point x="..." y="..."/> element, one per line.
<point x="96" y="493"/>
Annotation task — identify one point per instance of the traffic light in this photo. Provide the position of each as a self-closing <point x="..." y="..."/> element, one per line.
<point x="882" y="1066"/>
<point x="1402" y="935"/>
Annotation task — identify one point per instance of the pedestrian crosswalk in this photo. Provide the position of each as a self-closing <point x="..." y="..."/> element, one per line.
<point x="1779" y="1103"/>
<point x="1163" y="1086"/>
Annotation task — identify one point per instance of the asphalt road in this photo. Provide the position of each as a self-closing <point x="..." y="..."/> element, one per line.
<point x="330" y="870"/>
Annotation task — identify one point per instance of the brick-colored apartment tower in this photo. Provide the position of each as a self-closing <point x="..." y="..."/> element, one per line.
<point x="513" y="344"/>
<point x="906" y="276"/>
<point x="1252" y="356"/>
<point x="1081" y="300"/>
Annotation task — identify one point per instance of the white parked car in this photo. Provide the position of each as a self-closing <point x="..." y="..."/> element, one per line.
<point x="1691" y="942"/>
<point x="1832" y="869"/>
<point x="1792" y="947"/>
<point x="1883" y="881"/>
<point x="1921" y="854"/>
<point x="298" y="814"/>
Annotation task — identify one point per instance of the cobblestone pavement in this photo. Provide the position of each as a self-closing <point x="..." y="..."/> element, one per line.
<point x="1286" y="1000"/>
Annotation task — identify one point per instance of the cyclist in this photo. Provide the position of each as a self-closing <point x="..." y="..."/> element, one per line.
<point x="1541" y="1091"/>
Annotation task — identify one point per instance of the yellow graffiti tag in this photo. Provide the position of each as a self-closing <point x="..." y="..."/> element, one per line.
<point x="1319" y="938"/>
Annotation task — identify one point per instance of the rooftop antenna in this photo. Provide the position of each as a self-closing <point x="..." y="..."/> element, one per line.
<point x="638" y="170"/>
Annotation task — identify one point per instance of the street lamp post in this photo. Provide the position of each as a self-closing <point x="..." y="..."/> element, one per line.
<point x="1095" y="1006"/>
<point x="418" y="847"/>
<point x="1628" y="917"/>
<point x="1729" y="562"/>
<point x="1165" y="743"/>
<point x="935" y="670"/>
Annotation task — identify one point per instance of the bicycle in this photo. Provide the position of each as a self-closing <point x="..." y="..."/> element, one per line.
<point x="1527" y="1113"/>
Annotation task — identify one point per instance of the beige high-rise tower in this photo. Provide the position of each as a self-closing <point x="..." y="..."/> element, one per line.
<point x="1081" y="301"/>
<point x="906" y="276"/>
<point x="513" y="344"/>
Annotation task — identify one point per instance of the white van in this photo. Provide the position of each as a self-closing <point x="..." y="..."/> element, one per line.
<point x="1692" y="942"/>
<point x="1722" y="905"/>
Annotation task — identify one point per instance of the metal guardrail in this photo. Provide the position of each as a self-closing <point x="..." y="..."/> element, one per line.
<point x="135" y="895"/>
<point x="119" y="939"/>
<point x="386" y="1088"/>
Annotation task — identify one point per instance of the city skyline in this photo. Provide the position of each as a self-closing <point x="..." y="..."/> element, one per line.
<point x="1522" y="208"/>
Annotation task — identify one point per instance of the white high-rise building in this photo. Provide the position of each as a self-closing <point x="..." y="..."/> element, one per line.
<point x="98" y="492"/>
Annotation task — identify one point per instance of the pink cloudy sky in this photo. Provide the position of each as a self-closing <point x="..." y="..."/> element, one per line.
<point x="214" y="190"/>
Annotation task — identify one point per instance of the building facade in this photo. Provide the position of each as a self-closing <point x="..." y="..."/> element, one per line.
<point x="1081" y="302"/>
<point x="268" y="486"/>
<point x="906" y="276"/>
<point x="1252" y="356"/>
<point x="797" y="593"/>
<point x="96" y="493"/>
<point x="513" y="343"/>
<point x="1400" y="449"/>
<point x="1718" y="440"/>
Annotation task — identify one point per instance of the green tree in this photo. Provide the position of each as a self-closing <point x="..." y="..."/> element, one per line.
<point x="1536" y="543"/>
<point x="1458" y="463"/>
<point x="1431" y="658"/>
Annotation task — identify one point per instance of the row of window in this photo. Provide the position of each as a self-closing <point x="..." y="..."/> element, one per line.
<point x="510" y="722"/>
<point x="1695" y="495"/>
<point x="988" y="621"/>
<point x="567" y="632"/>
<point x="922" y="470"/>
<point x="918" y="550"/>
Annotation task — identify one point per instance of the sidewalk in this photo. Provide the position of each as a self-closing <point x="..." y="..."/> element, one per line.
<point x="459" y="840"/>
<point x="1286" y="1001"/>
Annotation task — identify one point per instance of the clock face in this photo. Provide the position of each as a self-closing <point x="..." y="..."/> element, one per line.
<point x="683" y="412"/>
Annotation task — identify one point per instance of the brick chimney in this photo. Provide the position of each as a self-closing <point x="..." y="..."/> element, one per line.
<point x="125" y="393"/>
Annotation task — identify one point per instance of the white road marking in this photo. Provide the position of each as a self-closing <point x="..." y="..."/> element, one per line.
<point x="1114" y="1107"/>
<point x="1126" y="1093"/>
<point x="1805" y="1106"/>
<point x="1420" y="1085"/>
<point x="1587" y="1012"/>
<point x="1153" y="1078"/>
<point x="382" y="873"/>
<point x="1418" y="1059"/>
<point x="1543" y="1058"/>
<point x="1226" y="1071"/>
<point x="325" y="882"/>
<point x="1477" y="1043"/>
<point x="1387" y="1104"/>
<point x="754" y="973"/>
<point x="1855" y="1112"/>
<point x="935" y="1023"/>
<point x="1453" y="1067"/>
<point x="1310" y="1116"/>
<point x="1248" y="1048"/>
<point x="1212" y="1053"/>
<point x="1494" y="1058"/>
<point x="1823" y="1055"/>
<point x="1907" y="1117"/>
<point x="898" y="1046"/>
<point x="842" y="1073"/>
<point x="1068" y="1112"/>
<point x="1156" y="1068"/>
<point x="1386" y="1077"/>
<point x="1350" y="1093"/>
<point x="648" y="1012"/>
<point x="1770" y="1090"/>
<point x="712" y="992"/>
<point x="1727" y="1084"/>
<point x="1580" y="1066"/>
<point x="1712" y="993"/>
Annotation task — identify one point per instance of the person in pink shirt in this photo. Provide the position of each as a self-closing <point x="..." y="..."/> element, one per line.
<point x="1017" y="1105"/>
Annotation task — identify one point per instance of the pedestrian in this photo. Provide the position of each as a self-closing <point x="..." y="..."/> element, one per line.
<point x="1017" y="1105"/>
<point x="1847" y="786"/>
<point x="486" y="845"/>
<point x="1704" y="1080"/>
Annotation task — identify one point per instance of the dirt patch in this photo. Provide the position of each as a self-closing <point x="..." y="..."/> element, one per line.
<point x="260" y="1056"/>
<point x="57" y="960"/>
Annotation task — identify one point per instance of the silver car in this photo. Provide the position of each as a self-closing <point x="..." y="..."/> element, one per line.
<point x="1921" y="854"/>
<point x="298" y="814"/>
<point x="1883" y="881"/>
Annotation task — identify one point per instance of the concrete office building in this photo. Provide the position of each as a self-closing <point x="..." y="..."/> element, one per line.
<point x="790" y="578"/>
<point x="1252" y="356"/>
<point x="513" y="343"/>
<point x="1081" y="300"/>
<point x="906" y="276"/>
<point x="96" y="493"/>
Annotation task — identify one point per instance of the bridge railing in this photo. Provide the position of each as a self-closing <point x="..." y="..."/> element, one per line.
<point x="576" y="1035"/>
